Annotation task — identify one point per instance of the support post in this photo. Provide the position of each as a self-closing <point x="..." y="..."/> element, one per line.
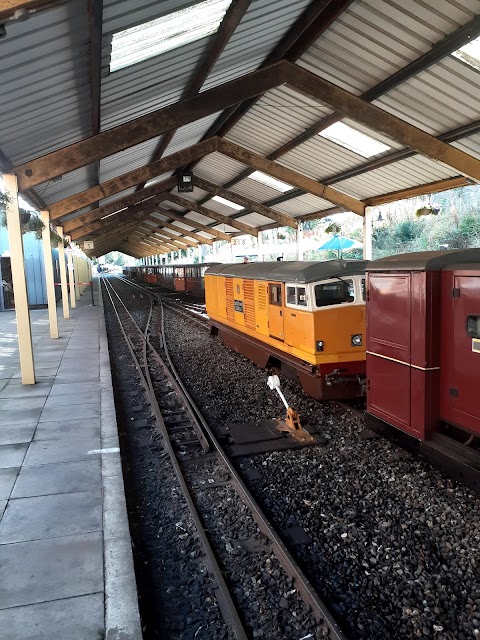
<point x="367" y="233"/>
<point x="199" y="249"/>
<point x="49" y="278"/>
<point x="260" y="256"/>
<point x="300" y="241"/>
<point x="63" y="275"/>
<point x="2" y="301"/>
<point x="71" y="281"/>
<point x="20" y="292"/>
<point x="77" y="273"/>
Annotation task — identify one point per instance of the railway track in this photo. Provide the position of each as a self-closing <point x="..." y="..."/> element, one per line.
<point x="204" y="472"/>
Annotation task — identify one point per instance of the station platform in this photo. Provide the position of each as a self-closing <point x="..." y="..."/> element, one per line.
<point x="66" y="567"/>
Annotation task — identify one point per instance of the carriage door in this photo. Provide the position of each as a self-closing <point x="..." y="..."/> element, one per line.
<point x="464" y="387"/>
<point x="275" y="310"/>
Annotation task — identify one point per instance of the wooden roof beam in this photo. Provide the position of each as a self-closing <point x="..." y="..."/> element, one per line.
<point x="176" y="215"/>
<point x="220" y="218"/>
<point x="289" y="176"/>
<point x="178" y="229"/>
<point x="248" y="204"/>
<point x="144" y="128"/>
<point x="131" y="178"/>
<point x="230" y="22"/>
<point x="379" y="120"/>
<point x="127" y="201"/>
<point x="158" y="228"/>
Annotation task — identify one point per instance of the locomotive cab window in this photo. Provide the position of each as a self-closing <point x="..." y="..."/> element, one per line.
<point x="297" y="296"/>
<point x="336" y="292"/>
<point x="473" y="326"/>
<point x="276" y="294"/>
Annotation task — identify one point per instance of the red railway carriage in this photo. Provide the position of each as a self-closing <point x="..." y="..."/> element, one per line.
<point x="423" y="344"/>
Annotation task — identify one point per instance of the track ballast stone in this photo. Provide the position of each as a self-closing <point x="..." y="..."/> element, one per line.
<point x="395" y="544"/>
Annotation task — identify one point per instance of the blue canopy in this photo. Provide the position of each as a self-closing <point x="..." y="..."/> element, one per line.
<point x="340" y="243"/>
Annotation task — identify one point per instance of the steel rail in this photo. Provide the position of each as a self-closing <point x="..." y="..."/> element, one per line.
<point x="222" y="592"/>
<point x="289" y="564"/>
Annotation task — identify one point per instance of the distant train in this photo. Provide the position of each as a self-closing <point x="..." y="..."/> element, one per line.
<point x="306" y="319"/>
<point x="180" y="277"/>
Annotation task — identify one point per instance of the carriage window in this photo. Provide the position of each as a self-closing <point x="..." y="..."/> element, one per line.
<point x="297" y="296"/>
<point x="337" y="292"/>
<point x="364" y="290"/>
<point x="276" y="294"/>
<point x="473" y="326"/>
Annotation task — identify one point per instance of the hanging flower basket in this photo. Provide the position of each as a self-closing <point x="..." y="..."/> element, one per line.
<point x="427" y="211"/>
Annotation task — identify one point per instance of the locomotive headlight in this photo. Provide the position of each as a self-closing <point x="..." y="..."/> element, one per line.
<point x="357" y="340"/>
<point x="319" y="345"/>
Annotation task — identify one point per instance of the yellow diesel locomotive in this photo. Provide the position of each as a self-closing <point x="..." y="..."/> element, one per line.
<point x="306" y="319"/>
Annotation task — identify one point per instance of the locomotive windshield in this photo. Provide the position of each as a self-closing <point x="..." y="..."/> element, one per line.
<point x="328" y="293"/>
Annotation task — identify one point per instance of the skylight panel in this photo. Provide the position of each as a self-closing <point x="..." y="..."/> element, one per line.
<point x="228" y="203"/>
<point x="354" y="140"/>
<point x="470" y="53"/>
<point x="166" y="33"/>
<point x="270" y="182"/>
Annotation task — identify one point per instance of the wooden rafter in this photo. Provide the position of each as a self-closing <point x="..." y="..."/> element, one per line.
<point x="248" y="204"/>
<point x="230" y="22"/>
<point x="289" y="176"/>
<point x="175" y="215"/>
<point x="131" y="178"/>
<point x="132" y="201"/>
<point x="213" y="215"/>
<point x="146" y="127"/>
<point x="194" y="238"/>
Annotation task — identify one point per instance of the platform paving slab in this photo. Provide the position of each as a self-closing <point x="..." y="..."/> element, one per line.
<point x="42" y="570"/>
<point x="51" y="516"/>
<point x="16" y="433"/>
<point x="12" y="455"/>
<point x="7" y="480"/>
<point x="55" y="430"/>
<point x="75" y="618"/>
<point x="46" y="479"/>
<point x="66" y="567"/>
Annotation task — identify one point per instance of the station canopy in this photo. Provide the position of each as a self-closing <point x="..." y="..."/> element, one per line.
<point x="274" y="111"/>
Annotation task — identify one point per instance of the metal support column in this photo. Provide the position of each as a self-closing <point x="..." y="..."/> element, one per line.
<point x="260" y="256"/>
<point x="19" y="281"/>
<point x="63" y="275"/>
<point x="49" y="278"/>
<point x="199" y="249"/>
<point x="367" y="233"/>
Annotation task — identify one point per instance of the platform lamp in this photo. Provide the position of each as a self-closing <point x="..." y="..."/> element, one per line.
<point x="184" y="181"/>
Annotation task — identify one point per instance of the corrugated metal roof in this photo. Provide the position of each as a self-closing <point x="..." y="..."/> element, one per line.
<point x="46" y="97"/>
<point x="262" y="27"/>
<point x="45" y="71"/>
<point x="278" y="117"/>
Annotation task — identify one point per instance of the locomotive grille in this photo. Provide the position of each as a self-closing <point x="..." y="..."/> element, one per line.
<point x="230" y="302"/>
<point x="249" y="303"/>
<point x="262" y="297"/>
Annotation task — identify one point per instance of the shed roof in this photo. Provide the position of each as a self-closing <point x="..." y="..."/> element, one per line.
<point x="57" y="90"/>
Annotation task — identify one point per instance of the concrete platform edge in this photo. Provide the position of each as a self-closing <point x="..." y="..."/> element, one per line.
<point x="122" y="617"/>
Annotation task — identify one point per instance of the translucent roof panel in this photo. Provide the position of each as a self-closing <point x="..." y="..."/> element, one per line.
<point x="166" y="33"/>
<point x="278" y="185"/>
<point x="350" y="138"/>
<point x="470" y="53"/>
<point x="227" y="203"/>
